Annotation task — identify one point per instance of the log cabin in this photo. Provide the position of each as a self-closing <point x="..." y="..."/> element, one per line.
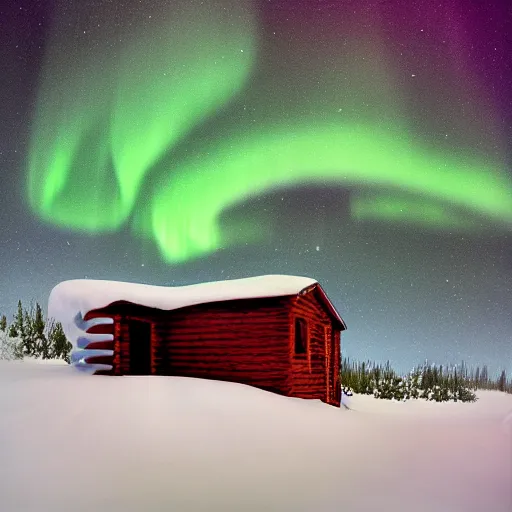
<point x="278" y="333"/>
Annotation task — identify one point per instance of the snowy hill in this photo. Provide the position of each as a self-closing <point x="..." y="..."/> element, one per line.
<point x="72" y="442"/>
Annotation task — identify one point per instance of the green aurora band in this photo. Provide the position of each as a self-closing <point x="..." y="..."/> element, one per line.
<point x="432" y="190"/>
<point x="99" y="133"/>
<point x="103" y="119"/>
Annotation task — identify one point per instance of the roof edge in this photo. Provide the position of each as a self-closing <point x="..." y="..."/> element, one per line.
<point x="327" y="302"/>
<point x="310" y="288"/>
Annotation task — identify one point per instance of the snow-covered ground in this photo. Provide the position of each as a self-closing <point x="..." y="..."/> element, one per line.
<point x="69" y="441"/>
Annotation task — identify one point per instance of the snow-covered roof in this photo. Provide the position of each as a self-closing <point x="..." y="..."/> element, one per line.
<point x="83" y="295"/>
<point x="70" y="301"/>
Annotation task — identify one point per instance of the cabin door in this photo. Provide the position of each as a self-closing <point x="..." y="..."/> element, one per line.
<point x="140" y="347"/>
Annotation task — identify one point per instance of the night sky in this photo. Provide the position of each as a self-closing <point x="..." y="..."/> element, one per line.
<point x="366" y="144"/>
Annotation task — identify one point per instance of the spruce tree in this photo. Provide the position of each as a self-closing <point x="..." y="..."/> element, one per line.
<point x="3" y="323"/>
<point x="414" y="383"/>
<point x="16" y="328"/>
<point x="502" y="381"/>
<point x="12" y="331"/>
<point x="27" y="335"/>
<point x="377" y="373"/>
<point x="40" y="341"/>
<point x="477" y="377"/>
<point x="19" y="320"/>
<point x="60" y="346"/>
<point x="484" y="378"/>
<point x="435" y="377"/>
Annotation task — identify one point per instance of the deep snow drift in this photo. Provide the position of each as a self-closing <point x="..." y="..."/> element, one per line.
<point x="69" y="441"/>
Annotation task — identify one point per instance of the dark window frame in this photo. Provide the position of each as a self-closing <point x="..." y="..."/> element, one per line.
<point x="301" y="338"/>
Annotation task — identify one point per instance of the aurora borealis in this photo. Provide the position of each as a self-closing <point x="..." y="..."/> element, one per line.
<point x="182" y="136"/>
<point x="113" y="116"/>
<point x="105" y="123"/>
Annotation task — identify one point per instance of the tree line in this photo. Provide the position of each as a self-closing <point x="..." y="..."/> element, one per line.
<point x="31" y="335"/>
<point x="427" y="381"/>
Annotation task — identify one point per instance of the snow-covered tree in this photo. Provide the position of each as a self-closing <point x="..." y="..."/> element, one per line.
<point x="12" y="331"/>
<point x="413" y="383"/>
<point x="3" y="323"/>
<point x="31" y="335"/>
<point x="10" y="347"/>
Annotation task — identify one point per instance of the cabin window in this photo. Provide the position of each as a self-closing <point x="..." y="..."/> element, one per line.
<point x="301" y="336"/>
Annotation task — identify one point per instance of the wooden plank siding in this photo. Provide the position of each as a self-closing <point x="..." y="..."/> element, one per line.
<point x="249" y="341"/>
<point x="245" y="341"/>
<point x="314" y="376"/>
<point x="242" y="341"/>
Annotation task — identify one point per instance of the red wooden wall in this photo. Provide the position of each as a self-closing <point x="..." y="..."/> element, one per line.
<point x="243" y="341"/>
<point x="250" y="341"/>
<point x="317" y="375"/>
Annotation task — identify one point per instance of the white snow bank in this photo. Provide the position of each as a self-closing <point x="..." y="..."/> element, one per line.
<point x="490" y="404"/>
<point x="69" y="442"/>
<point x="40" y="360"/>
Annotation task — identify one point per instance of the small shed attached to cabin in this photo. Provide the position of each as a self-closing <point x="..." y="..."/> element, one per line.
<point x="278" y="333"/>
